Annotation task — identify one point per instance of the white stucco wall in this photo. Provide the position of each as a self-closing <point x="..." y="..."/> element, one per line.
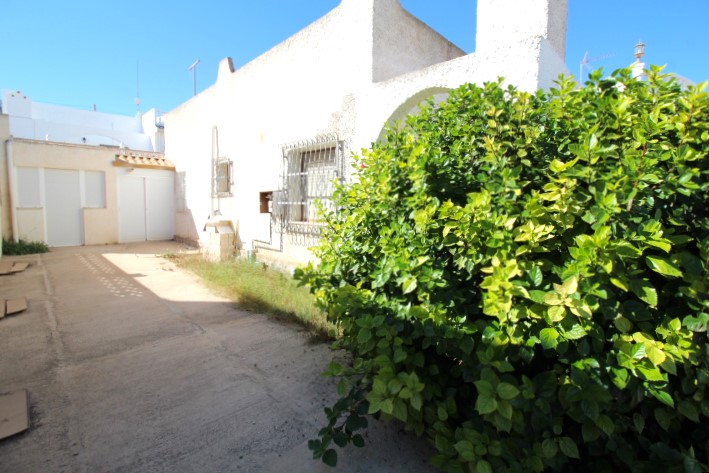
<point x="5" y="223"/>
<point x="504" y="22"/>
<point x="348" y="73"/>
<point x="41" y="121"/>
<point x="403" y="43"/>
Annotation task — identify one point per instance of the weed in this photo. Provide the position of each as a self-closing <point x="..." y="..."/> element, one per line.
<point x="23" y="247"/>
<point x="258" y="288"/>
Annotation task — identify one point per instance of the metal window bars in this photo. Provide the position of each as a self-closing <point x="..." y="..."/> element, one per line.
<point x="310" y="170"/>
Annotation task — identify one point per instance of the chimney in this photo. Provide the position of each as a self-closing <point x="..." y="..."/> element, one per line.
<point x="505" y="22"/>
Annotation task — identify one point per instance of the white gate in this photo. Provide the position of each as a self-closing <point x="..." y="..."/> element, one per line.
<point x="146" y="209"/>
<point x="63" y="208"/>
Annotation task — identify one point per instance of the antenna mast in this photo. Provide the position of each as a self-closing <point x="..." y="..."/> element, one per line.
<point x="137" y="84"/>
<point x="193" y="68"/>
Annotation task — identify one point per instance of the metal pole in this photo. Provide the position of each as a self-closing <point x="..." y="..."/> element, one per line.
<point x="193" y="68"/>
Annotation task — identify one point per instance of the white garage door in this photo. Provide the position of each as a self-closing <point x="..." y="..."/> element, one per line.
<point x="146" y="205"/>
<point x="63" y="204"/>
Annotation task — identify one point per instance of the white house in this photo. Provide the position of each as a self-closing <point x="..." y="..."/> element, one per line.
<point x="73" y="177"/>
<point x="256" y="149"/>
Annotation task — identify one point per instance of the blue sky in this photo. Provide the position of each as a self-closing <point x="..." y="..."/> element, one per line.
<point x="80" y="53"/>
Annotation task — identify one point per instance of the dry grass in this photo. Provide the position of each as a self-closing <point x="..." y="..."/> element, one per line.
<point x="255" y="287"/>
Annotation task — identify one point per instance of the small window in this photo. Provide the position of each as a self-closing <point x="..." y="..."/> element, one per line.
<point x="28" y="188"/>
<point x="95" y="189"/>
<point x="223" y="181"/>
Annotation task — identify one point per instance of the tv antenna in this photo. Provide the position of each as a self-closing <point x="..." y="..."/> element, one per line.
<point x="586" y="63"/>
<point x="193" y="68"/>
<point x="137" y="84"/>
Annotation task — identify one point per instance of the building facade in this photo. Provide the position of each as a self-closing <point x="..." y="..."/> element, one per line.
<point x="257" y="149"/>
<point x="73" y="177"/>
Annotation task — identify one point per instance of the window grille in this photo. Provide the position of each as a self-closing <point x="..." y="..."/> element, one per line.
<point x="223" y="178"/>
<point x="310" y="170"/>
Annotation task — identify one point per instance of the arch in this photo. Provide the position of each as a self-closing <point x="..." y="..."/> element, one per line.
<point x="411" y="105"/>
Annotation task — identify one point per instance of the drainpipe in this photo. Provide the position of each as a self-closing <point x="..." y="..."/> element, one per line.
<point x="11" y="189"/>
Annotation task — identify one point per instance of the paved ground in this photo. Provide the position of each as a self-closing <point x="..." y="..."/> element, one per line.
<point x="133" y="366"/>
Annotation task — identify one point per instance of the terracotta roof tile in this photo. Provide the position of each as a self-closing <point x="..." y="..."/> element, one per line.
<point x="143" y="159"/>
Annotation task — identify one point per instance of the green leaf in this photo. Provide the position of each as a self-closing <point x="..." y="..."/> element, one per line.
<point x="689" y="410"/>
<point x="485" y="388"/>
<point x="663" y="266"/>
<point x="548" y="337"/>
<point x="504" y="408"/>
<point x="314" y="445"/>
<point x="550" y="448"/>
<point x="639" y="422"/>
<point x="465" y="449"/>
<point x="358" y="441"/>
<point x="663" y="397"/>
<point x="330" y="457"/>
<point x="387" y="406"/>
<point x="364" y="336"/>
<point x="507" y="391"/>
<point x="483" y="466"/>
<point x="341" y="439"/>
<point x="467" y="344"/>
<point x="536" y="276"/>
<point x="486" y="405"/>
<point x="400" y="355"/>
<point x="568" y="447"/>
<point x="400" y="412"/>
<point x="575" y="332"/>
<point x="645" y="291"/>
<point x="651" y="373"/>
<point x="606" y="425"/>
<point x="409" y="284"/>
<point x="356" y="422"/>
<point x="590" y="432"/>
<point x="656" y="355"/>
<point x="663" y="418"/>
<point x="623" y="324"/>
<point x="590" y="408"/>
<point x="556" y="313"/>
<point x="416" y="401"/>
<point x="442" y="413"/>
<point x="620" y="377"/>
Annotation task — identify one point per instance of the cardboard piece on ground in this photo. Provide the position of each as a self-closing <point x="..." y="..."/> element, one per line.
<point x="2" y="312"/>
<point x="6" y="267"/>
<point x="13" y="306"/>
<point x="18" y="267"/>
<point x="14" y="413"/>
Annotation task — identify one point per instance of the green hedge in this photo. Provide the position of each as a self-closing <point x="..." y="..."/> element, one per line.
<point x="523" y="278"/>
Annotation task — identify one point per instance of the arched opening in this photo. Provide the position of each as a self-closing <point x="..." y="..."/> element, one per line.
<point x="412" y="104"/>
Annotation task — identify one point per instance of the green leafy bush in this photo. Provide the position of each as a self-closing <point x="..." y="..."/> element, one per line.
<point x="523" y="279"/>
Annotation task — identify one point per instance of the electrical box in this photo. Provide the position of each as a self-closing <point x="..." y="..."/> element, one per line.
<point x="266" y="202"/>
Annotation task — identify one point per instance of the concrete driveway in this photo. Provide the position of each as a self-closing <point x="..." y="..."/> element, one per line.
<point x="133" y="366"/>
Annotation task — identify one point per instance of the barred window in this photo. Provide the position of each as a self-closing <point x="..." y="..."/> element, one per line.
<point x="311" y="169"/>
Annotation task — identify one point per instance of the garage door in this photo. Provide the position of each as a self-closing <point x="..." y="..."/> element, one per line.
<point x="146" y="205"/>
<point x="63" y="204"/>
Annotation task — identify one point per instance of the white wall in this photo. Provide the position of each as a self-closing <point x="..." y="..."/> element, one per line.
<point x="41" y="121"/>
<point x="348" y="73"/>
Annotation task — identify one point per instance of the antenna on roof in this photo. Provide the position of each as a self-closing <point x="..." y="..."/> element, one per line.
<point x="193" y="68"/>
<point x="137" y="84"/>
<point x="586" y="63"/>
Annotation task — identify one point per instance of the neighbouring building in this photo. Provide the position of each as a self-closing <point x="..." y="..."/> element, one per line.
<point x="79" y="177"/>
<point x="255" y="150"/>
